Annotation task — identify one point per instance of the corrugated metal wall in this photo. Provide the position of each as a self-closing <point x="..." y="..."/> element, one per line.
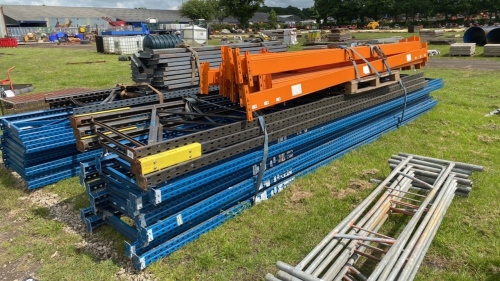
<point x="3" y="30"/>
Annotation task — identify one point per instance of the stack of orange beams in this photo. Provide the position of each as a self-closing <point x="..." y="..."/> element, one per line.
<point x="262" y="80"/>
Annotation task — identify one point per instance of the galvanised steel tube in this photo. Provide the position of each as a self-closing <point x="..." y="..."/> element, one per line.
<point x="296" y="272"/>
<point x="477" y="34"/>
<point x="358" y="274"/>
<point x="366" y="238"/>
<point x="493" y="37"/>
<point x="392" y="267"/>
<point x="435" y="168"/>
<point x="286" y="277"/>
<point x="462" y="190"/>
<point x="373" y="221"/>
<point x="432" y="179"/>
<point x="446" y="162"/>
<point x="430" y="165"/>
<point x="352" y="216"/>
<point x="433" y="175"/>
<point x="422" y="253"/>
<point x="416" y="180"/>
<point x="327" y="250"/>
<point x="398" y="246"/>
<point x="446" y="192"/>
<point x="270" y="277"/>
<point x="355" y="256"/>
<point x="342" y="273"/>
<point x="366" y="222"/>
<point x="421" y="235"/>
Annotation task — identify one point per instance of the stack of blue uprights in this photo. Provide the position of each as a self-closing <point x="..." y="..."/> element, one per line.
<point x="167" y="216"/>
<point x="40" y="146"/>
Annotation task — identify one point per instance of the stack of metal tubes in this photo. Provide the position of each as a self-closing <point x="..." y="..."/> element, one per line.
<point x="362" y="247"/>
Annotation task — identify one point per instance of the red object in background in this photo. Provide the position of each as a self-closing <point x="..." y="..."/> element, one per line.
<point x="8" y="42"/>
<point x="8" y="81"/>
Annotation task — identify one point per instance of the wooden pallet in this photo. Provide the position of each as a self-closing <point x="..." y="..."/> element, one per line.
<point x="460" y="55"/>
<point x="371" y="82"/>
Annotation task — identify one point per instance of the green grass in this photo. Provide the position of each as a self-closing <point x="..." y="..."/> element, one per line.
<point x="288" y="226"/>
<point x="47" y="68"/>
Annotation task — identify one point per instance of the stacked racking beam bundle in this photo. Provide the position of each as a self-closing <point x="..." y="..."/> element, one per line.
<point x="426" y="34"/>
<point x="361" y="248"/>
<point x="492" y="50"/>
<point x="191" y="177"/>
<point x="339" y="35"/>
<point x="177" y="68"/>
<point x="259" y="81"/>
<point x="463" y="49"/>
<point x="40" y="146"/>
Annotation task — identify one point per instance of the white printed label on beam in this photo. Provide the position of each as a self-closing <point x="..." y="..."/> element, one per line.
<point x="296" y="89"/>
<point x="408" y="57"/>
<point x="366" y="69"/>
<point x="179" y="219"/>
<point x="130" y="154"/>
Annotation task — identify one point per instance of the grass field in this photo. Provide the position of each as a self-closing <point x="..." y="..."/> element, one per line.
<point x="40" y="235"/>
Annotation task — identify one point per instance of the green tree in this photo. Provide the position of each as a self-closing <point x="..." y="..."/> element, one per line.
<point x="310" y="13"/>
<point x="221" y="11"/>
<point x="242" y="10"/>
<point x="272" y="19"/>
<point x="198" y="9"/>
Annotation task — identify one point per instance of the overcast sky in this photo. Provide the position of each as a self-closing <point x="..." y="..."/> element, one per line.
<point x="154" y="4"/>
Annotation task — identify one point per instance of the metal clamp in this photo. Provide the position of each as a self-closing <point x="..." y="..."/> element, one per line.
<point x="265" y="151"/>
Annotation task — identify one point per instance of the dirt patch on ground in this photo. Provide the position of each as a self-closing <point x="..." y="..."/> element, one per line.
<point x="487" y="139"/>
<point x="436" y="262"/>
<point x="491" y="127"/>
<point x="369" y="173"/>
<point x="297" y="199"/>
<point x="25" y="267"/>
<point x="355" y="185"/>
<point x="20" y="270"/>
<point x="300" y="196"/>
<point x="359" y="184"/>
<point x="91" y="47"/>
<point x="100" y="248"/>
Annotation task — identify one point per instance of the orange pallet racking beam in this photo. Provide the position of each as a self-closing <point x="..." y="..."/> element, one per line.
<point x="262" y="80"/>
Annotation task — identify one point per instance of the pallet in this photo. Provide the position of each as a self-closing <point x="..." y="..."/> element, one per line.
<point x="371" y="82"/>
<point x="454" y="55"/>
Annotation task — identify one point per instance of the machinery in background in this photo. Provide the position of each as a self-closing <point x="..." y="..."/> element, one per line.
<point x="372" y="25"/>
<point x="114" y="23"/>
<point x="65" y="25"/>
<point x="30" y="37"/>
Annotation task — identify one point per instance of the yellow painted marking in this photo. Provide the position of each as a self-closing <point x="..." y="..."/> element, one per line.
<point x="169" y="158"/>
<point x="107" y="133"/>
<point x="101" y="112"/>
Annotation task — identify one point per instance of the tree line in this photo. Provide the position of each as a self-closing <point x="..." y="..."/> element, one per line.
<point x="348" y="10"/>
<point x="342" y="11"/>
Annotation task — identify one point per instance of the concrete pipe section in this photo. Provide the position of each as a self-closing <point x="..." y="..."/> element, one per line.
<point x="479" y="35"/>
